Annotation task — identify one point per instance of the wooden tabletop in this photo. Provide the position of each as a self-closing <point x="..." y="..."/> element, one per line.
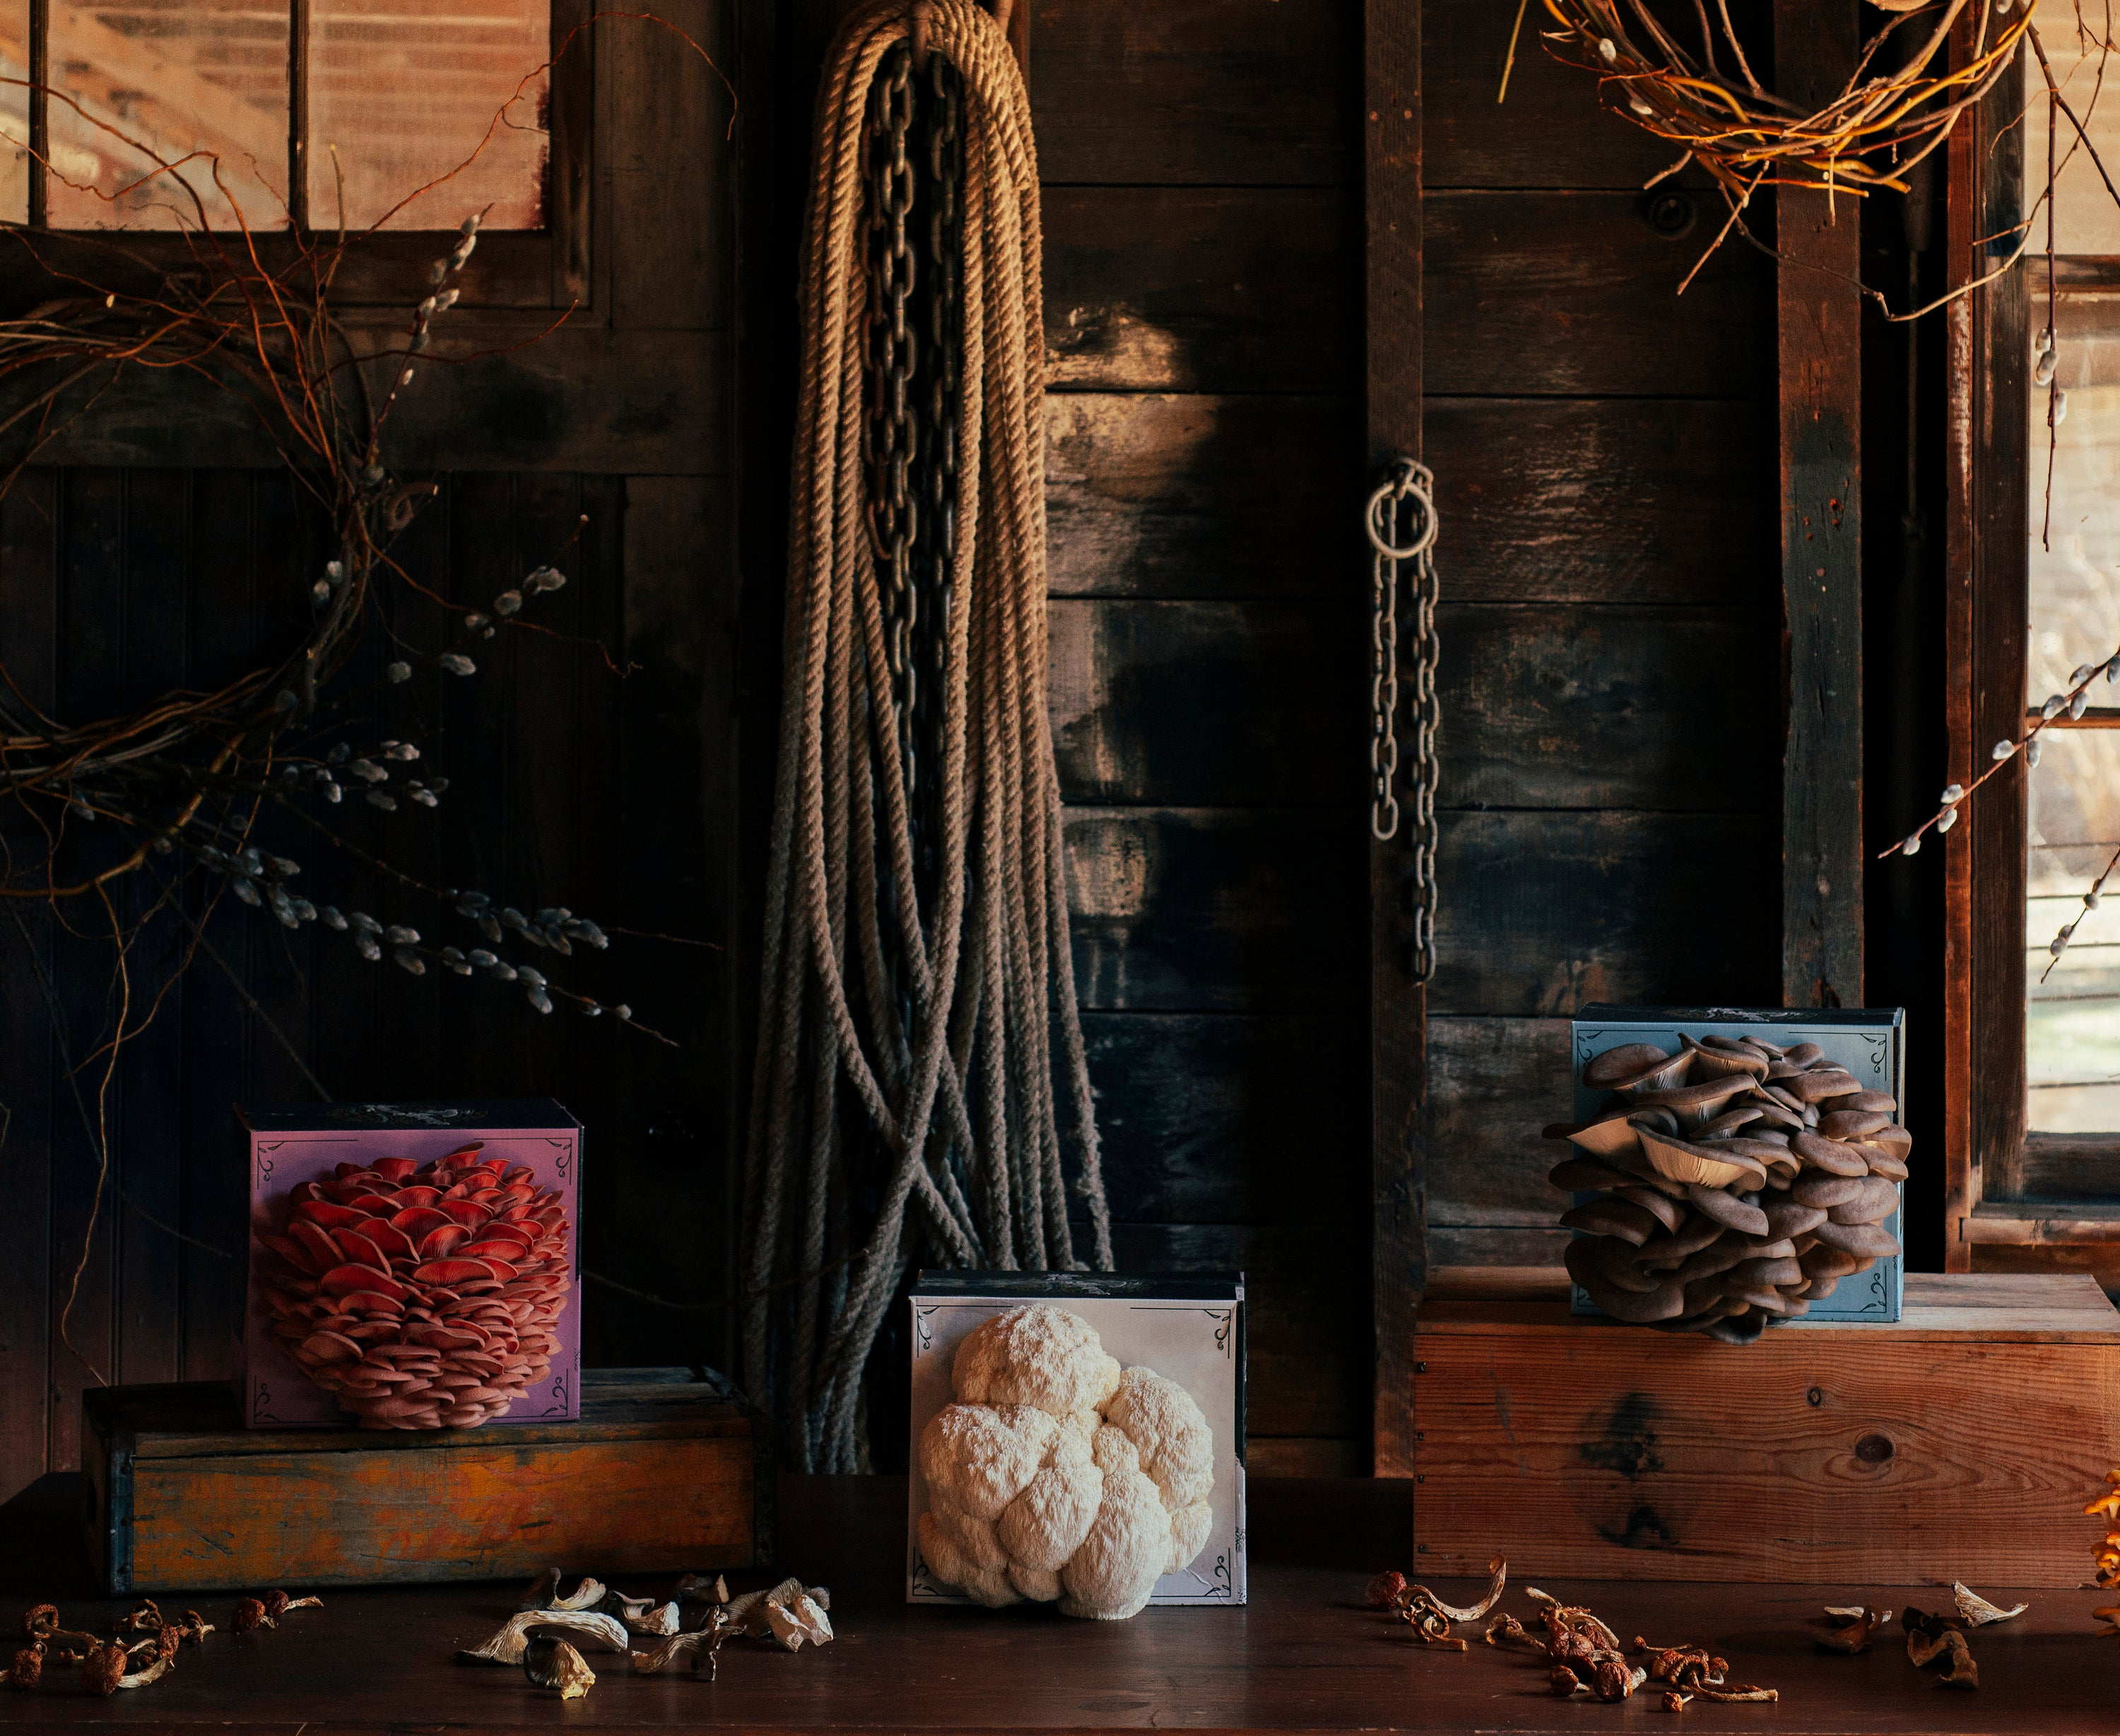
<point x="1304" y="1656"/>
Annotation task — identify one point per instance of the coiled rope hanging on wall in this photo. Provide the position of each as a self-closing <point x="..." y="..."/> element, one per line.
<point x="906" y="1098"/>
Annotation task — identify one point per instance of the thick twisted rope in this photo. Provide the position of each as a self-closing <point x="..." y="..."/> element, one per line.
<point x="961" y="1095"/>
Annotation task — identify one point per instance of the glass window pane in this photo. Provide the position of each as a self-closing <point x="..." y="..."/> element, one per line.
<point x="2074" y="576"/>
<point x="2086" y="221"/>
<point x="407" y="98"/>
<point x="2072" y="1024"/>
<point x="14" y="113"/>
<point x="201" y="79"/>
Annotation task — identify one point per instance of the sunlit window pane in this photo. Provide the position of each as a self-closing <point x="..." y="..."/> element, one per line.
<point x="410" y="98"/>
<point x="2086" y="220"/>
<point x="2072" y="1025"/>
<point x="193" y="82"/>
<point x="14" y="112"/>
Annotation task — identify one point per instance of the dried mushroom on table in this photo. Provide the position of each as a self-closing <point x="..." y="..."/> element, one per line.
<point x="1736" y="1182"/>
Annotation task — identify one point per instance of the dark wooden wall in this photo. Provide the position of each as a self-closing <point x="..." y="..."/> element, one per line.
<point x="1610" y="701"/>
<point x="127" y="569"/>
<point x="1610" y="576"/>
<point x="1202" y="166"/>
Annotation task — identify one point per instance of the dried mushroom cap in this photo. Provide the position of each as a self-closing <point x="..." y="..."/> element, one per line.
<point x="550" y="1662"/>
<point x="508" y="1643"/>
<point x="104" y="1668"/>
<point x="28" y="1667"/>
<point x="1975" y="1610"/>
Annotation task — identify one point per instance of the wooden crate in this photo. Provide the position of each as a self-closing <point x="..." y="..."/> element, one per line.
<point x="1960" y="1443"/>
<point x="665" y="1470"/>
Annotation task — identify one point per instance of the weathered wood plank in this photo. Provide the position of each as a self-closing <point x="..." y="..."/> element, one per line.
<point x="1200" y="495"/>
<point x="676" y="727"/>
<point x="148" y="1167"/>
<point x="1822" y="1455"/>
<point x="1498" y="1081"/>
<point x="1205" y="704"/>
<point x="1273" y="1455"/>
<point x="86" y="1337"/>
<point x="1196" y="90"/>
<point x="1306" y="1304"/>
<point x="1542" y="500"/>
<point x="1179" y="288"/>
<point x="584" y="398"/>
<point x="1542" y="912"/>
<point x="664" y="128"/>
<point x="1548" y="706"/>
<point x="1621" y="501"/>
<point x="1205" y="1117"/>
<point x="1819" y="320"/>
<point x="1456" y="1247"/>
<point x="1395" y="350"/>
<point x="1561" y="294"/>
<point x="1550" y="132"/>
<point x="29" y="652"/>
<point x="1215" y="910"/>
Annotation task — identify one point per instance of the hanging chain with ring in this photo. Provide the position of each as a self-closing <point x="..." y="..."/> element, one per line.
<point x="1409" y="492"/>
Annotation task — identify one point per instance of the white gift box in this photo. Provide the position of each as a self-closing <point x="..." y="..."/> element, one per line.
<point x="1189" y="1328"/>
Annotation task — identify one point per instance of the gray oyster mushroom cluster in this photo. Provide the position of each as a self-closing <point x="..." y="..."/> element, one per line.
<point x="1738" y="1182"/>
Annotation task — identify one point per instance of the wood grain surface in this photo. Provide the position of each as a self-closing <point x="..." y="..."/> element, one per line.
<point x="1303" y="1655"/>
<point x="1960" y="1443"/>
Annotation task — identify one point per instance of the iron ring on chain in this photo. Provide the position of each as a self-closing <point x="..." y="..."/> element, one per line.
<point x="1408" y="481"/>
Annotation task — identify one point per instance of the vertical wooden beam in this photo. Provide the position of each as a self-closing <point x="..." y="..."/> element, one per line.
<point x="1987" y="553"/>
<point x="1397" y="1004"/>
<point x="1819" y="316"/>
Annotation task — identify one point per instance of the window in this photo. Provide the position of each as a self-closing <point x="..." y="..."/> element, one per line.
<point x="2033" y="1038"/>
<point x="313" y="111"/>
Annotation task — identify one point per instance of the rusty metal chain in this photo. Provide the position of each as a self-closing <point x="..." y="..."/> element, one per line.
<point x="1411" y="488"/>
<point x="891" y="438"/>
<point x="934" y="564"/>
<point x="913" y="168"/>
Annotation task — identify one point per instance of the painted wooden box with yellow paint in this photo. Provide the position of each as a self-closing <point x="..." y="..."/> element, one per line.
<point x="1960" y="1442"/>
<point x="667" y="1469"/>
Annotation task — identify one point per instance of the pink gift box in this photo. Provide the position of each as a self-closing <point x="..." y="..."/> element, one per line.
<point x="287" y="1144"/>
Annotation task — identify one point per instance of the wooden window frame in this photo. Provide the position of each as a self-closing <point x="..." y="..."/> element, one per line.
<point x="513" y="271"/>
<point x="2005" y="1185"/>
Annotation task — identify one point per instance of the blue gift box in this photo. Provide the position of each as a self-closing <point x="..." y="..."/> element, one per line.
<point x="1868" y="1041"/>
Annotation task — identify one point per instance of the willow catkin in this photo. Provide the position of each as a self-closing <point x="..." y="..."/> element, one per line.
<point x="964" y="1095"/>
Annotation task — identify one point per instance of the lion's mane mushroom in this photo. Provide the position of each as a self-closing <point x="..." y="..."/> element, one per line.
<point x="1732" y="1184"/>
<point x="1057" y="1475"/>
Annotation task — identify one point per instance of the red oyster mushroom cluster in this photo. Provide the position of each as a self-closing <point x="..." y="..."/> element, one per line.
<point x="421" y="1297"/>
